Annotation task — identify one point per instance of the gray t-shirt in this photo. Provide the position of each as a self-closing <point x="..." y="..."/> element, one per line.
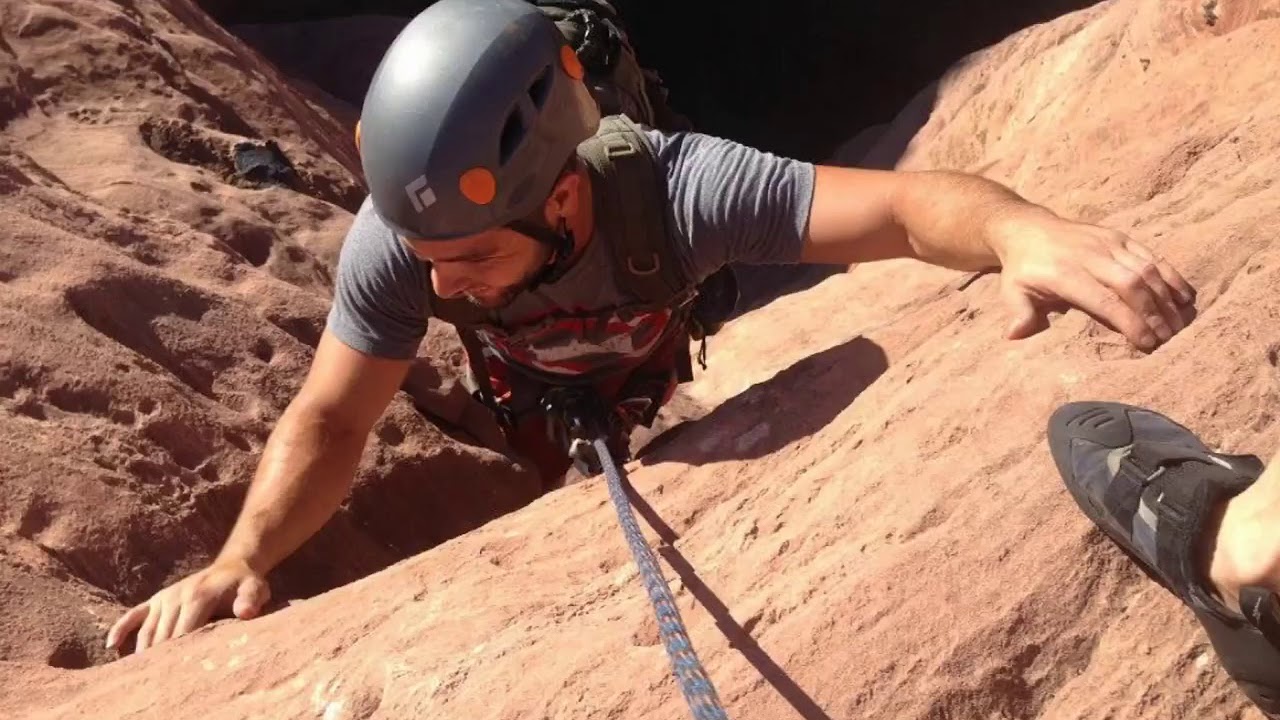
<point x="729" y="202"/>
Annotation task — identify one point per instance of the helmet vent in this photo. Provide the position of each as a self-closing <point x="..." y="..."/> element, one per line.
<point x="512" y="133"/>
<point x="540" y="88"/>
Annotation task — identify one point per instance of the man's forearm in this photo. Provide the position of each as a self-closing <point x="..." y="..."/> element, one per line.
<point x="957" y="220"/>
<point x="945" y="218"/>
<point x="305" y="472"/>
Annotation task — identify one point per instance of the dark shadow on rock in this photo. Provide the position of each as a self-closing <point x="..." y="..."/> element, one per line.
<point x="768" y="416"/>
<point x="739" y="637"/>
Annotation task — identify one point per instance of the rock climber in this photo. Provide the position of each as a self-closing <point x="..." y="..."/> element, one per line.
<point x="568" y="249"/>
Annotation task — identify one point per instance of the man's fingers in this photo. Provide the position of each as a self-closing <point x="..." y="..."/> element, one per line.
<point x="126" y="624"/>
<point x="1100" y="301"/>
<point x="1025" y="318"/>
<point x="1157" y="284"/>
<point x="1133" y="291"/>
<point x="194" y="614"/>
<point x="1186" y="293"/>
<point x="251" y="595"/>
<point x="168" y="618"/>
<point x="148" y="627"/>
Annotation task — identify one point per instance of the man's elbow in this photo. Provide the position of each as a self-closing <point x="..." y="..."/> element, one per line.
<point x="324" y="422"/>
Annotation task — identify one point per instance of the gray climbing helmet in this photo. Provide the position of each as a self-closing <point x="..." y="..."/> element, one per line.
<point x="470" y="117"/>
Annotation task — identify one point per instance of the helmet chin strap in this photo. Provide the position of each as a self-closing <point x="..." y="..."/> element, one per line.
<point x="561" y="244"/>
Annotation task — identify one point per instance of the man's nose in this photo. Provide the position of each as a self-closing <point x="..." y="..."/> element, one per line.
<point x="448" y="283"/>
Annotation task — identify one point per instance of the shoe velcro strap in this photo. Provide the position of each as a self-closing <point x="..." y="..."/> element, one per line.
<point x="1178" y="488"/>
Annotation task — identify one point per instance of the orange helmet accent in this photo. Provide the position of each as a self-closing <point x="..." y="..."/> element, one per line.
<point x="572" y="65"/>
<point x="478" y="185"/>
<point x="357" y="136"/>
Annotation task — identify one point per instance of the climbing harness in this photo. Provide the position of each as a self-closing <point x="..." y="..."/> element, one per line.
<point x="583" y="417"/>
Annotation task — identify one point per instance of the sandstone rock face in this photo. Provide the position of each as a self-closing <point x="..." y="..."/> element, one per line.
<point x="867" y="525"/>
<point x="172" y="212"/>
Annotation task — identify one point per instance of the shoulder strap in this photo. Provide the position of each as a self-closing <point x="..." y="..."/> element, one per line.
<point x="474" y="350"/>
<point x="631" y="211"/>
<point x="464" y="317"/>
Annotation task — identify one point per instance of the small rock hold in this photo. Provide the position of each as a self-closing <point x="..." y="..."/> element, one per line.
<point x="676" y="584"/>
<point x="265" y="164"/>
<point x="1210" y="12"/>
<point x="752" y="437"/>
<point x="624" y="575"/>
<point x="647" y="634"/>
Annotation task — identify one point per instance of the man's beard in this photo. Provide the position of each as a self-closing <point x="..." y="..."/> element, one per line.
<point x="509" y="293"/>
<point x="545" y="271"/>
<point x="506" y="298"/>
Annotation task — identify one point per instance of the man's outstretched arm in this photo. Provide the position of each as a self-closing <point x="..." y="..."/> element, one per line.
<point x="310" y="460"/>
<point x="305" y="472"/>
<point x="967" y="222"/>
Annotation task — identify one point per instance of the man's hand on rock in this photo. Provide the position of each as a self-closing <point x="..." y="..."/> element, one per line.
<point x="1052" y="264"/>
<point x="224" y="587"/>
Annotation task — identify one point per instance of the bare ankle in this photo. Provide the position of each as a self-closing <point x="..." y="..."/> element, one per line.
<point x="1243" y="546"/>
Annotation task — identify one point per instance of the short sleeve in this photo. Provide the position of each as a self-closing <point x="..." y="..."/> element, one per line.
<point x="733" y="203"/>
<point x="380" y="295"/>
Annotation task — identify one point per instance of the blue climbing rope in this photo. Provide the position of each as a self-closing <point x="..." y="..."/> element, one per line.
<point x="694" y="683"/>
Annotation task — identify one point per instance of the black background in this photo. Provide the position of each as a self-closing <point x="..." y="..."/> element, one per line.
<point x="796" y="77"/>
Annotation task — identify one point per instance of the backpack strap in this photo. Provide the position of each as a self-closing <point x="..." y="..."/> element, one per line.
<point x="614" y="76"/>
<point x="464" y="317"/>
<point x="480" y="375"/>
<point x="631" y="210"/>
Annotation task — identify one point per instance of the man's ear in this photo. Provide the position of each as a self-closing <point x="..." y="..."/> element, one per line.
<point x="563" y="201"/>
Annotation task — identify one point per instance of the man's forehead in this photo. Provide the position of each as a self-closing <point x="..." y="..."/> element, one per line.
<point x="459" y="250"/>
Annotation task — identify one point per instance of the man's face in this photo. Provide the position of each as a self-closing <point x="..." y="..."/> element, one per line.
<point x="488" y="269"/>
